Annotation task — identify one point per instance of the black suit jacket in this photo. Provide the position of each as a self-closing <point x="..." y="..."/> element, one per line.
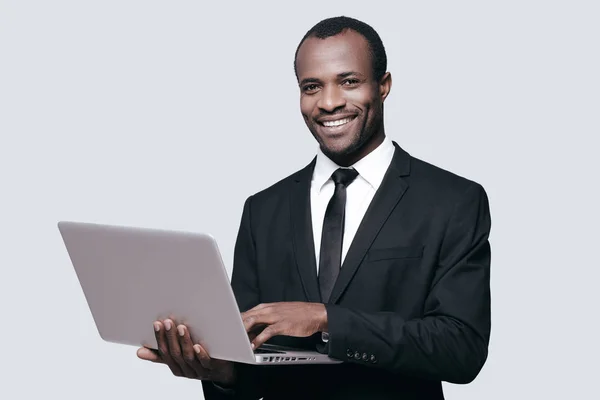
<point x="411" y="306"/>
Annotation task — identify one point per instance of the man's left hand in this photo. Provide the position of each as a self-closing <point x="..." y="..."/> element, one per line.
<point x="288" y="318"/>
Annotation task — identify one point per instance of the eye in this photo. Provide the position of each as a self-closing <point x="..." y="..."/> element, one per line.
<point x="350" y="82"/>
<point x="312" y="87"/>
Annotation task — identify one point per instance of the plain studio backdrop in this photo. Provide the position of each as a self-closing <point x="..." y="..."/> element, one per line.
<point x="169" y="114"/>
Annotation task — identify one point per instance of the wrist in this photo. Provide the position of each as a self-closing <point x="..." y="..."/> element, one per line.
<point x="323" y="325"/>
<point x="227" y="380"/>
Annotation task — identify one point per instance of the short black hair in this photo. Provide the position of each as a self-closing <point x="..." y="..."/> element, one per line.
<point x="336" y="25"/>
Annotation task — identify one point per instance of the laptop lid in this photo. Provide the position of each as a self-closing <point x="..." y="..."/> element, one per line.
<point x="133" y="276"/>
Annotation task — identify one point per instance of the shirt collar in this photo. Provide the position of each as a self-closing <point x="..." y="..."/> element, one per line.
<point x="371" y="168"/>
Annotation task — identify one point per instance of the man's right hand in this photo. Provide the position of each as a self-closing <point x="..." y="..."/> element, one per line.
<point x="185" y="359"/>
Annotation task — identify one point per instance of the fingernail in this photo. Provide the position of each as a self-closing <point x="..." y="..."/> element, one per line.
<point x="168" y="325"/>
<point x="156" y="326"/>
<point x="197" y="348"/>
<point x="252" y="346"/>
<point x="181" y="330"/>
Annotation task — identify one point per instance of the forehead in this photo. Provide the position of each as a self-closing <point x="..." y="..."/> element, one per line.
<point x="325" y="58"/>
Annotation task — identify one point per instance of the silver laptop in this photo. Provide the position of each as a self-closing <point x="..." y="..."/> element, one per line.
<point x="132" y="277"/>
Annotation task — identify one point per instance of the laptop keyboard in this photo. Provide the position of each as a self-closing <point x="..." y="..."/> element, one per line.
<point x="267" y="351"/>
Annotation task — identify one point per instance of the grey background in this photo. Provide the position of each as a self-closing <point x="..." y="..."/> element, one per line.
<point x="169" y="114"/>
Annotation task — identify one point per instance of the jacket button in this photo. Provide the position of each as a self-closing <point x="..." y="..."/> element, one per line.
<point x="349" y="353"/>
<point x="357" y="355"/>
<point x="373" y="359"/>
<point x="365" y="357"/>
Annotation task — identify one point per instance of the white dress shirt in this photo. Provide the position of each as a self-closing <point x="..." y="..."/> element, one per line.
<point x="371" y="170"/>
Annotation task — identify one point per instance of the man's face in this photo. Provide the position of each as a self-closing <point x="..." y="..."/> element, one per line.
<point x="340" y="100"/>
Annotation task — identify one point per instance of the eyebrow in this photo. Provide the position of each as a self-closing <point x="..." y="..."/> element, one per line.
<point x="339" y="76"/>
<point x="350" y="73"/>
<point x="309" y="80"/>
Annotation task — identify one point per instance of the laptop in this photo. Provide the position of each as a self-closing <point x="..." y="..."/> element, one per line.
<point x="133" y="276"/>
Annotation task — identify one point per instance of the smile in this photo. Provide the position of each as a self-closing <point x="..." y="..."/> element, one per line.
<point x="338" y="122"/>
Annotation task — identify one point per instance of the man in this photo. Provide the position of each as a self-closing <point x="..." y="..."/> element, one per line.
<point x="367" y="254"/>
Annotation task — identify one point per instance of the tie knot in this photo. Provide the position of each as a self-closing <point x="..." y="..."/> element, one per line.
<point x="344" y="176"/>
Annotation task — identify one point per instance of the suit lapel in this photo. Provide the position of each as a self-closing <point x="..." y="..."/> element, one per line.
<point x="302" y="232"/>
<point x="385" y="200"/>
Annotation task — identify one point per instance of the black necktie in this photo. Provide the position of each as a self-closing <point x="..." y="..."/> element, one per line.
<point x="330" y="259"/>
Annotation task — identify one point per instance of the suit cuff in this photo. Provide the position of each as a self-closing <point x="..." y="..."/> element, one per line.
<point x="340" y="345"/>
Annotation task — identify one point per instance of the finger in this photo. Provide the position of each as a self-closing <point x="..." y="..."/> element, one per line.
<point x="175" y="349"/>
<point x="255" y="320"/>
<point x="256" y="329"/>
<point x="266" y="334"/>
<point x="202" y="356"/>
<point x="252" y="335"/>
<point x="149" y="355"/>
<point x="189" y="355"/>
<point x="260" y="308"/>
<point x="163" y="349"/>
<point x="257" y="309"/>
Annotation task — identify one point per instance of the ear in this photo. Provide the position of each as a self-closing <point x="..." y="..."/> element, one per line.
<point x="385" y="85"/>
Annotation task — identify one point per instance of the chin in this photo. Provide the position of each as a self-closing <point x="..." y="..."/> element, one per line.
<point x="342" y="150"/>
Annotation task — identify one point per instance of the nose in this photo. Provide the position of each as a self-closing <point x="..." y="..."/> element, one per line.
<point x="331" y="98"/>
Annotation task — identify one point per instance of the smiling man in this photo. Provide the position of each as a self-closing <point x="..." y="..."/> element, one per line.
<point x="342" y="94"/>
<point x="367" y="254"/>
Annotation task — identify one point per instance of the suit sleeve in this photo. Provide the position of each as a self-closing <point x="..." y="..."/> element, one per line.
<point x="450" y="342"/>
<point x="244" y="282"/>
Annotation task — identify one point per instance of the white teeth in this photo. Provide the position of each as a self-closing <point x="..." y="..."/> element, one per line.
<point x="337" y="123"/>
